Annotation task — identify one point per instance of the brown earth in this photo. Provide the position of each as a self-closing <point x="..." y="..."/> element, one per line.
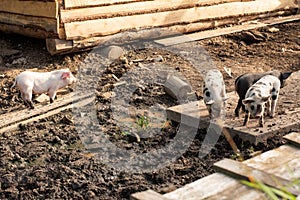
<point x="47" y="159"/>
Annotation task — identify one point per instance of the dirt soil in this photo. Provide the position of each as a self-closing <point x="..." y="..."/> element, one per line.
<point x="47" y="159"/>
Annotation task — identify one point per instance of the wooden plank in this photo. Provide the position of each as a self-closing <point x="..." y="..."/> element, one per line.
<point x="76" y="30"/>
<point x="293" y="138"/>
<point x="148" y="195"/>
<point x="215" y="186"/>
<point x="134" y="8"/>
<point x="43" y="23"/>
<point x="86" y="3"/>
<point x="283" y="162"/>
<point x="241" y="171"/>
<point x="14" y="117"/>
<point x="228" y="30"/>
<point x="31" y="8"/>
<point x="47" y="114"/>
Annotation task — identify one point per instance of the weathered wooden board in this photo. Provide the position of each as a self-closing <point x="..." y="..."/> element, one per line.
<point x="90" y="28"/>
<point x="148" y="195"/>
<point x="293" y="138"/>
<point x="240" y="170"/>
<point x="14" y="117"/>
<point x="31" y="8"/>
<point x="134" y="8"/>
<point x="227" y="30"/>
<point x="47" y="114"/>
<point x="43" y="23"/>
<point x="282" y="162"/>
<point x="215" y="186"/>
<point x="87" y="3"/>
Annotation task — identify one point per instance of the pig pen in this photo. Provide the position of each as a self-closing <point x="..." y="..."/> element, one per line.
<point x="46" y="158"/>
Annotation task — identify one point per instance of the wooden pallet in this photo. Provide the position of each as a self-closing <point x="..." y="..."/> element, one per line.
<point x="71" y="25"/>
<point x="275" y="168"/>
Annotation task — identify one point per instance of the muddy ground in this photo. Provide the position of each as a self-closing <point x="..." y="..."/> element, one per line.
<point x="48" y="160"/>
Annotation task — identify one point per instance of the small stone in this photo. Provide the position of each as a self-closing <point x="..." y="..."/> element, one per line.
<point x="42" y="98"/>
<point x="19" y="61"/>
<point x="90" y="195"/>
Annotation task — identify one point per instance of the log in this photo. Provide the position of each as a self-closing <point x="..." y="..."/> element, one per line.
<point x="43" y="23"/>
<point x="102" y="27"/>
<point x="177" y="88"/>
<point x="26" y="31"/>
<point x="117" y="10"/>
<point x="55" y="46"/>
<point x="32" y="8"/>
<point x="112" y="52"/>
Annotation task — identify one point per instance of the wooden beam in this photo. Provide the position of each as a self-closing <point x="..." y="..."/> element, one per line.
<point x="241" y="171"/>
<point x="224" y="31"/>
<point x="293" y="138"/>
<point x="148" y="195"/>
<point x="87" y="3"/>
<point x="117" y="10"/>
<point x="56" y="46"/>
<point x="31" y="8"/>
<point x="27" y="31"/>
<point x="47" y="24"/>
<point x="101" y="27"/>
<point x="15" y="117"/>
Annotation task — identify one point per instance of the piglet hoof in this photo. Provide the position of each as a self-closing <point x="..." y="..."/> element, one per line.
<point x="261" y="125"/>
<point x="51" y="100"/>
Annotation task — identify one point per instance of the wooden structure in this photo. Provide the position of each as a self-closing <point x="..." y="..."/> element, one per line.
<point x="277" y="168"/>
<point x="195" y="114"/>
<point x="70" y="25"/>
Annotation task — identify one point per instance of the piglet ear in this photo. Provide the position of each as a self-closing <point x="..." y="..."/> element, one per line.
<point x="65" y="75"/>
<point x="247" y="101"/>
<point x="286" y="75"/>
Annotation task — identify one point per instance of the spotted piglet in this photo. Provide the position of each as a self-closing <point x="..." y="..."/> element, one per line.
<point x="264" y="93"/>
<point x="214" y="94"/>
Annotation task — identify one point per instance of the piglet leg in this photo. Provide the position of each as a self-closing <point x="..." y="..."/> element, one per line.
<point x="261" y="121"/>
<point x="52" y="95"/>
<point x="247" y="115"/>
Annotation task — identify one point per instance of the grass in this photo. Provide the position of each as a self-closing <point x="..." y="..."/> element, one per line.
<point x="271" y="192"/>
<point x="143" y="122"/>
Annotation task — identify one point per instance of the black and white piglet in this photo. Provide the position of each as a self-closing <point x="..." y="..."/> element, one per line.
<point x="261" y="94"/>
<point x="42" y="82"/>
<point x="245" y="81"/>
<point x="214" y="94"/>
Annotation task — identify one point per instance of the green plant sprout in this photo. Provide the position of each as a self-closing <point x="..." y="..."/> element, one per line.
<point x="143" y="122"/>
<point x="271" y="192"/>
